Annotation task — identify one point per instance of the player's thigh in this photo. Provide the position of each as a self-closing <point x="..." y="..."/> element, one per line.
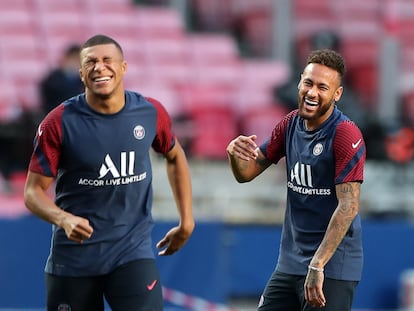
<point x="281" y="293"/>
<point x="135" y="286"/>
<point x="338" y="294"/>
<point x="74" y="293"/>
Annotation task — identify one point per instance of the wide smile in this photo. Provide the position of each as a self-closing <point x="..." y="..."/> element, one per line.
<point x="311" y="103"/>
<point x="101" y="80"/>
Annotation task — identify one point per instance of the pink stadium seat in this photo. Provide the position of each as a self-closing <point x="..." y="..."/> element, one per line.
<point x="170" y="74"/>
<point x="25" y="70"/>
<point x="137" y="73"/>
<point x="12" y="206"/>
<point x="70" y="24"/>
<point x="161" y="22"/>
<point x="353" y="28"/>
<point x="257" y="80"/>
<point x="194" y="95"/>
<point x="164" y="94"/>
<point x="261" y="120"/>
<point x="58" y="6"/>
<point x="9" y="106"/>
<point x="16" y="47"/>
<point x="214" y="127"/>
<point x="16" y="22"/>
<point x="107" y="6"/>
<point x="17" y="181"/>
<point x="212" y="48"/>
<point x="167" y="51"/>
<point x="357" y="8"/>
<point x="117" y="24"/>
<point x="265" y="74"/>
<point x="20" y="5"/>
<point x="55" y="46"/>
<point x="248" y="97"/>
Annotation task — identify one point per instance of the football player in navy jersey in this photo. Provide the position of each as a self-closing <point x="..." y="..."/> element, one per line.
<point x="96" y="147"/>
<point x="320" y="258"/>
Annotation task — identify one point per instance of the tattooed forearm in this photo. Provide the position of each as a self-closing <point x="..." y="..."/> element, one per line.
<point x="347" y="209"/>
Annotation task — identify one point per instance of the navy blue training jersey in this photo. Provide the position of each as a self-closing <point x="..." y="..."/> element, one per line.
<point x="103" y="173"/>
<point x="316" y="161"/>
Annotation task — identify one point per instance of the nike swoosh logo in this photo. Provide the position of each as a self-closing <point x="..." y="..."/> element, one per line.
<point x="151" y="286"/>
<point x="356" y="144"/>
<point x="39" y="131"/>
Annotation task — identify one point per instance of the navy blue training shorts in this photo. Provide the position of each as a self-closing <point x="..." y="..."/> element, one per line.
<point x="132" y="286"/>
<point x="285" y="292"/>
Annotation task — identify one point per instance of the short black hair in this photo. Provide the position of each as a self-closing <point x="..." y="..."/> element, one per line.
<point x="101" y="39"/>
<point x="329" y="58"/>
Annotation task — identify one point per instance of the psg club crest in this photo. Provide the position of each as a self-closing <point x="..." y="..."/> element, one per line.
<point x="139" y="132"/>
<point x="317" y="150"/>
<point x="64" y="307"/>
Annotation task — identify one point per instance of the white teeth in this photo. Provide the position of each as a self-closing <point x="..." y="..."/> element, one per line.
<point x="311" y="103"/>
<point x="102" y="79"/>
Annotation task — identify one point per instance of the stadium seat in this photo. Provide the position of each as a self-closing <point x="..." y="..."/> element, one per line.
<point x="106" y="6"/>
<point x="19" y="5"/>
<point x="117" y="24"/>
<point x="226" y="74"/>
<point x="356" y="8"/>
<point x="265" y="74"/>
<point x="256" y="84"/>
<point x="194" y="95"/>
<point x="213" y="127"/>
<point x="212" y="15"/>
<point x="164" y="94"/>
<point x="261" y="120"/>
<point x="17" y="22"/>
<point x="57" y="6"/>
<point x="9" y="106"/>
<point x="15" y="47"/>
<point x="158" y="22"/>
<point x="170" y="74"/>
<point x="210" y="48"/>
<point x="12" y="206"/>
<point x="167" y="51"/>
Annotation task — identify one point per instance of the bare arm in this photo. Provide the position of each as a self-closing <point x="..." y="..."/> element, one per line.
<point x="39" y="203"/>
<point x="245" y="158"/>
<point x="345" y="213"/>
<point x="180" y="180"/>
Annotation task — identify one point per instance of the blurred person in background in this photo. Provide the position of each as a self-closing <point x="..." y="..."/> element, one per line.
<point x="63" y="81"/>
<point x="320" y="258"/>
<point x="97" y="146"/>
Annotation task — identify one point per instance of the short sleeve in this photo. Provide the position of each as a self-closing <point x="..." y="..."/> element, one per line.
<point x="47" y="144"/>
<point x="350" y="153"/>
<point x="165" y="138"/>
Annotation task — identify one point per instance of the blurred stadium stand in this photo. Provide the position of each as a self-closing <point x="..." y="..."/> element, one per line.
<point x="215" y="65"/>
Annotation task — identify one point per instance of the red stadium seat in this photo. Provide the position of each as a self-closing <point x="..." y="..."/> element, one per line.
<point x="194" y="95"/>
<point x="213" y="128"/>
<point x="261" y="120"/>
